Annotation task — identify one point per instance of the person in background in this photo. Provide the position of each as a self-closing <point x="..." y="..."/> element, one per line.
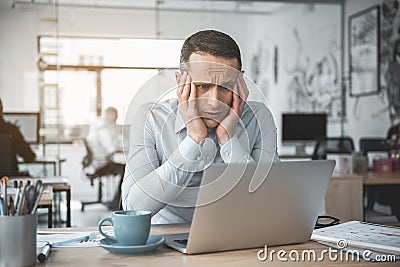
<point x="104" y="138"/>
<point x="19" y="146"/>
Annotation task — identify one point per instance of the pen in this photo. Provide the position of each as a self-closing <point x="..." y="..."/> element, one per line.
<point x="1" y="205"/>
<point x="12" y="208"/>
<point x="38" y="196"/>
<point x="5" y="196"/>
<point x="42" y="256"/>
<point x="21" y="204"/>
<point x="4" y="181"/>
<point x="17" y="192"/>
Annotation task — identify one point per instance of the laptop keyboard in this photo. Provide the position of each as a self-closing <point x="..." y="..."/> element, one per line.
<point x="181" y="241"/>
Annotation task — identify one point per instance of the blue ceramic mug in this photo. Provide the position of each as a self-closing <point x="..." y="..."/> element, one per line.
<point x="131" y="227"/>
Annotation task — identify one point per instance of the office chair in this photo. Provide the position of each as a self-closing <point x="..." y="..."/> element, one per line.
<point x="335" y="145"/>
<point x="109" y="169"/>
<point x="373" y="145"/>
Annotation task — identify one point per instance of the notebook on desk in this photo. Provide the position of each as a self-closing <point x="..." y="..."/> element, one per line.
<point x="283" y="210"/>
<point x="364" y="235"/>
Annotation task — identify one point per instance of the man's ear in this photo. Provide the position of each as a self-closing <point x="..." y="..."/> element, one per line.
<point x="178" y="77"/>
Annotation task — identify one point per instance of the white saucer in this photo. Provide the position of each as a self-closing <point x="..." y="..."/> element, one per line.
<point x="152" y="243"/>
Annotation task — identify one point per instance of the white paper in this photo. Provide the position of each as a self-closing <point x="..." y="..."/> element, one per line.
<point x="50" y="237"/>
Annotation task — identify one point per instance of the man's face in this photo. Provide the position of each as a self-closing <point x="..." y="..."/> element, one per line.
<point x="214" y="78"/>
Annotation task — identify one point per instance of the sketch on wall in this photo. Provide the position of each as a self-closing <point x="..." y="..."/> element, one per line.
<point x="261" y="65"/>
<point x="315" y="87"/>
<point x="390" y="56"/>
<point x="298" y="64"/>
<point x="364" y="45"/>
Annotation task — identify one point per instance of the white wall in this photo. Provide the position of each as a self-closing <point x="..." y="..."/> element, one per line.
<point x="19" y="28"/>
<point x="363" y="118"/>
<point x="304" y="35"/>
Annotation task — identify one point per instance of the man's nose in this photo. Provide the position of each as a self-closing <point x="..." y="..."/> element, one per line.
<point x="214" y="96"/>
<point x="215" y="92"/>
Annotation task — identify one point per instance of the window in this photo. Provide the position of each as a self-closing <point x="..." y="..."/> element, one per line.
<point x="94" y="74"/>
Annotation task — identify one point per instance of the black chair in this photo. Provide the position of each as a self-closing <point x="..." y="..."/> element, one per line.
<point x="86" y="161"/>
<point x="373" y="145"/>
<point x="334" y="145"/>
<point x="108" y="169"/>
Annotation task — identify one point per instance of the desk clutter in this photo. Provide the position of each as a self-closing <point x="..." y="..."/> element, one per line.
<point x="26" y="197"/>
<point x="18" y="222"/>
<point x="387" y="165"/>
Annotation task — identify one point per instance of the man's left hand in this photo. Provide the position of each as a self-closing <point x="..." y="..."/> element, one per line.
<point x="226" y="129"/>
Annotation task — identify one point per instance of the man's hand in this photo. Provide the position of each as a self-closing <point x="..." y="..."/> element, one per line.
<point x="187" y="94"/>
<point x="226" y="129"/>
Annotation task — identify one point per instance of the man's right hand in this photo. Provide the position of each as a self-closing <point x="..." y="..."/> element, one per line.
<point x="187" y="95"/>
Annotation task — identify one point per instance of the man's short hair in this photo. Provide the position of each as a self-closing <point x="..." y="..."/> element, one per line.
<point x="112" y="110"/>
<point x="212" y="42"/>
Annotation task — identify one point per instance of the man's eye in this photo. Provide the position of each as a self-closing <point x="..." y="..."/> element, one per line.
<point x="204" y="86"/>
<point x="225" y="88"/>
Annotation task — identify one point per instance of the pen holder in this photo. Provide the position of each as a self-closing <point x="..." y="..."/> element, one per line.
<point x="18" y="240"/>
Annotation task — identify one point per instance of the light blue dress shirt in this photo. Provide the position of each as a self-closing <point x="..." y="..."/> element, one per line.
<point x="164" y="165"/>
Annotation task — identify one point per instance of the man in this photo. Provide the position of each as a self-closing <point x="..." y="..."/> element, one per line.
<point x="172" y="142"/>
<point x="19" y="146"/>
<point x="104" y="138"/>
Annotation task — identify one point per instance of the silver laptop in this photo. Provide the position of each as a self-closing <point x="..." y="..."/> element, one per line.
<point x="282" y="210"/>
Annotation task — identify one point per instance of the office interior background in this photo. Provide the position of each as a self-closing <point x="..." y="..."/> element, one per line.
<point x="69" y="60"/>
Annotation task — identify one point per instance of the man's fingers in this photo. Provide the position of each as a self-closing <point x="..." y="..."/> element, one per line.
<point x="193" y="91"/>
<point x="181" y="86"/>
<point x="243" y="91"/>
<point x="186" y="90"/>
<point x="235" y="96"/>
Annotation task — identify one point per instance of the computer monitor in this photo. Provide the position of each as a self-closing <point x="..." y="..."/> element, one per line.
<point x="27" y="122"/>
<point x="302" y="129"/>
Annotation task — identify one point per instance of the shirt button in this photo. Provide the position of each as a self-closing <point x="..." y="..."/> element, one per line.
<point x="208" y="157"/>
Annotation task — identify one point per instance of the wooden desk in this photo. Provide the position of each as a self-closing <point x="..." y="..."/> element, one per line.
<point x="345" y="196"/>
<point x="46" y="202"/>
<point x="57" y="185"/>
<point x="165" y="256"/>
<point x="47" y="160"/>
<point x="373" y="178"/>
<point x="344" y="199"/>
